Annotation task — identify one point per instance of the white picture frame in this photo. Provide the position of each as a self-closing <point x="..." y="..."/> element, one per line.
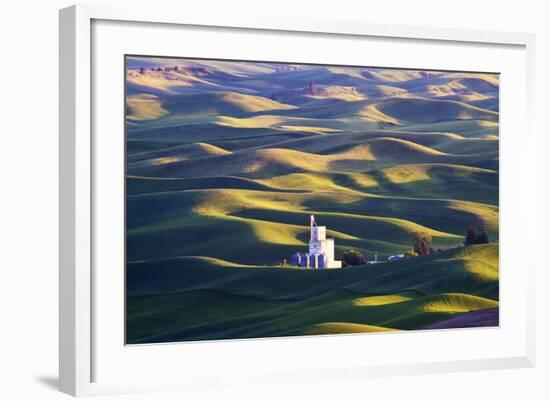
<point x="77" y="168"/>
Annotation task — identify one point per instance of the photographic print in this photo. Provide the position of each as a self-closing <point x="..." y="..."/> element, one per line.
<point x="269" y="199"/>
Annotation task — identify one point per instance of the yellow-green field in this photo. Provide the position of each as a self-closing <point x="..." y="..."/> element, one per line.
<point x="227" y="160"/>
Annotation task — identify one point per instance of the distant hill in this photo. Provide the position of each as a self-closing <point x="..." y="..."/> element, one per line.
<point x="175" y="153"/>
<point x="271" y="162"/>
<point x="433" y="111"/>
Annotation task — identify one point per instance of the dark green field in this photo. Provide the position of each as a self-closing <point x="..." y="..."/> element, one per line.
<point x="227" y="160"/>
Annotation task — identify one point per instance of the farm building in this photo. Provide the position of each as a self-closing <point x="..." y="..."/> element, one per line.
<point x="321" y="250"/>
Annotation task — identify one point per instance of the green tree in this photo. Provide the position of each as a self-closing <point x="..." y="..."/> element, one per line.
<point x="421" y="243"/>
<point x="482" y="237"/>
<point x="471" y="236"/>
<point x="476" y="235"/>
<point x="353" y="258"/>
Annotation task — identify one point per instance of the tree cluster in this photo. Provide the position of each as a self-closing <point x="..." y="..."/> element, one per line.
<point x="353" y="258"/>
<point x="476" y="235"/>
<point x="422" y="243"/>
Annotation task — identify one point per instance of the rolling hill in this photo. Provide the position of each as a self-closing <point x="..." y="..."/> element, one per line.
<point x="271" y="162"/>
<point x="246" y="301"/>
<point x="226" y="161"/>
<point x="433" y="111"/>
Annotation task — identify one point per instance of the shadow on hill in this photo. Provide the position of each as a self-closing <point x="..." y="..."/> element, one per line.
<point x="195" y="299"/>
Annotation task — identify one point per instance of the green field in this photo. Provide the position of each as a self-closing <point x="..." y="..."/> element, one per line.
<point x="226" y="161"/>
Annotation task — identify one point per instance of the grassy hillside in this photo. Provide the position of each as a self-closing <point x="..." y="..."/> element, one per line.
<point x="226" y="161"/>
<point x="205" y="298"/>
<point x="433" y="111"/>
